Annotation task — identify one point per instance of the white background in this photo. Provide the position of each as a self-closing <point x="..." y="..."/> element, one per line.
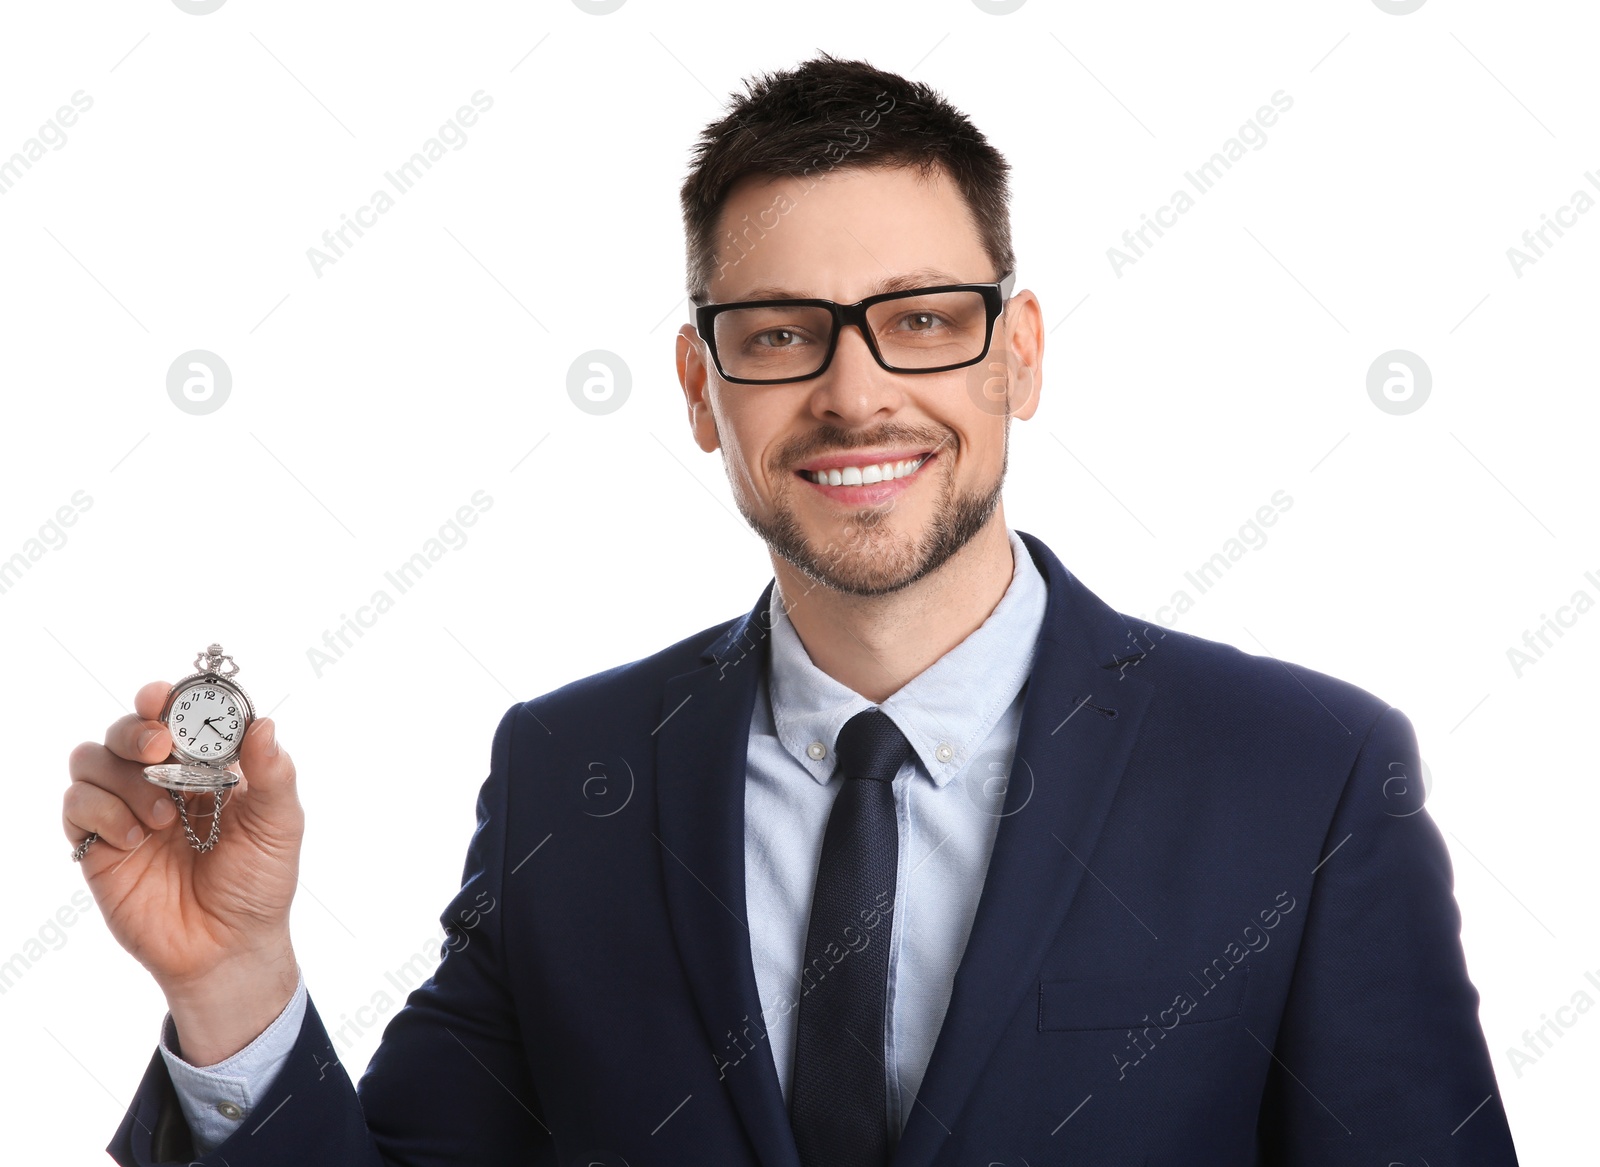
<point x="371" y="401"/>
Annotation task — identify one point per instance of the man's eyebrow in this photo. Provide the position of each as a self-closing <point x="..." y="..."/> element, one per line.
<point x="922" y="277"/>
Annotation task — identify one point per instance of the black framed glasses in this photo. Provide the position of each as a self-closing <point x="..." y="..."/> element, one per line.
<point x="920" y="330"/>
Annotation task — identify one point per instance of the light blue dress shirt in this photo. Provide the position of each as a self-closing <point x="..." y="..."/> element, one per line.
<point x="960" y="714"/>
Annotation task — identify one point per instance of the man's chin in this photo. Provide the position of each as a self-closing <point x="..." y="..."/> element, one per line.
<point x="845" y="564"/>
<point x="859" y="553"/>
<point x="872" y="551"/>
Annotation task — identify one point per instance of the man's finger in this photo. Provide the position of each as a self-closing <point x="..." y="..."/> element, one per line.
<point x="91" y="764"/>
<point x="270" y="769"/>
<point x="87" y="807"/>
<point x="147" y="702"/>
<point x="139" y="739"/>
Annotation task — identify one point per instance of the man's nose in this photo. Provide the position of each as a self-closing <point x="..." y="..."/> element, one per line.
<point x="855" y="386"/>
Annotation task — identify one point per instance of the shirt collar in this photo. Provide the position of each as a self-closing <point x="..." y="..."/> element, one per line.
<point x="946" y="711"/>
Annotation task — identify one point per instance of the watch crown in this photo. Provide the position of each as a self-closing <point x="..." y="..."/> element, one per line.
<point x="211" y="660"/>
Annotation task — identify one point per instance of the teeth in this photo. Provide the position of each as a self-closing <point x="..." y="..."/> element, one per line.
<point x="865" y="475"/>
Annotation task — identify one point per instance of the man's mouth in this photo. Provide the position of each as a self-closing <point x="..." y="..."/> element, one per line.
<point x="866" y="473"/>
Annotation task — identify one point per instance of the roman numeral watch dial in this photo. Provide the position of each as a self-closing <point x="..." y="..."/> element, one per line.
<point x="207" y="714"/>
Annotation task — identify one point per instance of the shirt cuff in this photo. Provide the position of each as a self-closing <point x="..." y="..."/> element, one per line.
<point x="216" y="1099"/>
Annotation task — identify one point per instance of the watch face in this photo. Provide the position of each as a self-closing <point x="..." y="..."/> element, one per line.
<point x="207" y="720"/>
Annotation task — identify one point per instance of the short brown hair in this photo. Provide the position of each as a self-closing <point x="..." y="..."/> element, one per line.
<point x="827" y="114"/>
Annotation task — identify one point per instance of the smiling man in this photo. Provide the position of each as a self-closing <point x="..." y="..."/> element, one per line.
<point x="903" y="551"/>
<point x="930" y="857"/>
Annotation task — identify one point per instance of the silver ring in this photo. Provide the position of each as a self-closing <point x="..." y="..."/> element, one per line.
<point x="79" y="851"/>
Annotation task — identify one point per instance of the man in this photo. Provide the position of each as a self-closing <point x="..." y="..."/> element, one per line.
<point x="930" y="855"/>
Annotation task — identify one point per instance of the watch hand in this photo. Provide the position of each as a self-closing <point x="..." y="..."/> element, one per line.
<point x="205" y="725"/>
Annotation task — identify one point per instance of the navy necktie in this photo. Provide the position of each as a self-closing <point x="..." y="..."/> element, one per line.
<point x="838" y="1092"/>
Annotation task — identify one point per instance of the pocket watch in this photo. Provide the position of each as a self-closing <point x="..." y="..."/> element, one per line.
<point x="207" y="714"/>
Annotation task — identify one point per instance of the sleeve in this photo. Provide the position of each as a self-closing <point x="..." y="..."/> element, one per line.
<point x="1379" y="1056"/>
<point x="218" y="1099"/>
<point x="450" y="1082"/>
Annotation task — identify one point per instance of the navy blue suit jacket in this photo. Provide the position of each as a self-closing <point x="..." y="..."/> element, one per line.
<point x="1217" y="928"/>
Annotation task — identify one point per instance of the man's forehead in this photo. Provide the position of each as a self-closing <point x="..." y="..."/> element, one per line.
<point x="845" y="234"/>
<point x="804" y="287"/>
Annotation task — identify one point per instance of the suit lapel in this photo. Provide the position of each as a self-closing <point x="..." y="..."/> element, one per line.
<point x="1069" y="760"/>
<point x="1071" y="751"/>
<point x="702" y="749"/>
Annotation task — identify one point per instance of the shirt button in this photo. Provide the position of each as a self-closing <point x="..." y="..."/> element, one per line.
<point x="817" y="750"/>
<point x="944" y="753"/>
<point x="228" y="1110"/>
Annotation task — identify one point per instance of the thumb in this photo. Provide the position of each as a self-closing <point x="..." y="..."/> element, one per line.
<point x="269" y="774"/>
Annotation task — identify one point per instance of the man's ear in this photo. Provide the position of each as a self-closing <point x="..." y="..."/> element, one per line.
<point x="1024" y="353"/>
<point x="692" y="376"/>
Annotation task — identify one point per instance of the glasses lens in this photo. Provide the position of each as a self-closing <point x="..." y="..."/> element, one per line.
<point x="772" y="343"/>
<point x="928" y="330"/>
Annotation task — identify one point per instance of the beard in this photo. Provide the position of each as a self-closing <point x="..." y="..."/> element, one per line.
<point x="871" y="558"/>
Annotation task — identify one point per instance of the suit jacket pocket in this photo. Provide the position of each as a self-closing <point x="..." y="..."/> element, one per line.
<point x="1135" y="1002"/>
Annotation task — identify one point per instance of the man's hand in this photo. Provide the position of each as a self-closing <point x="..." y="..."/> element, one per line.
<point x="212" y="927"/>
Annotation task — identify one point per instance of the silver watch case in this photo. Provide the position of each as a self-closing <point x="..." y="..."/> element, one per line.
<point x="182" y="771"/>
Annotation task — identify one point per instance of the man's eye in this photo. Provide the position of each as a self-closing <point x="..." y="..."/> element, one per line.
<point x="777" y="338"/>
